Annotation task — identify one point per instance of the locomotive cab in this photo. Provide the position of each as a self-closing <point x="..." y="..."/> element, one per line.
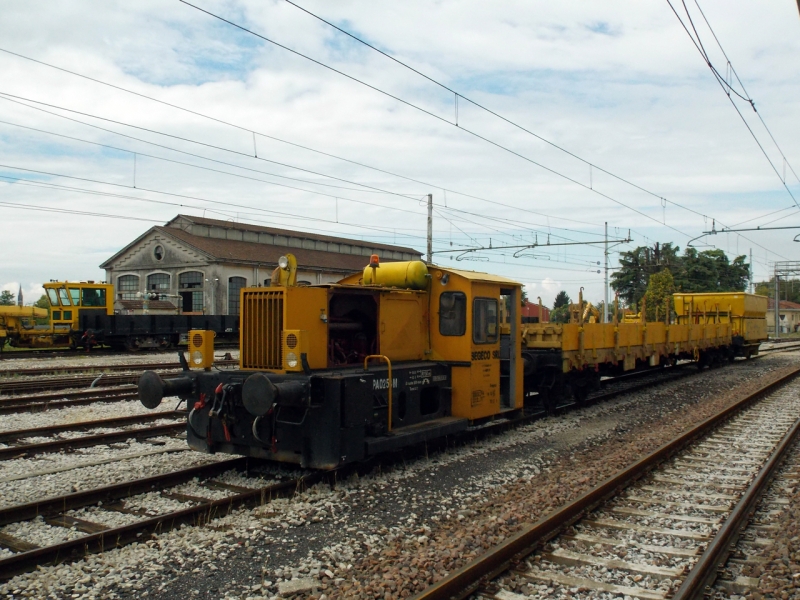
<point x="329" y="374"/>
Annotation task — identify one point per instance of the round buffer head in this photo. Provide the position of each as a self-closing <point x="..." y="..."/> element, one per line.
<point x="258" y="394"/>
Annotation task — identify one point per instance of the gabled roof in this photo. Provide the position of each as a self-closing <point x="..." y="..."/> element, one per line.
<point x="266" y="254"/>
<point x="263" y="254"/>
<point x="784" y="305"/>
<point x="286" y="232"/>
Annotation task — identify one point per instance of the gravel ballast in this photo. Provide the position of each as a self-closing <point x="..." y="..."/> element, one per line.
<point x="392" y="533"/>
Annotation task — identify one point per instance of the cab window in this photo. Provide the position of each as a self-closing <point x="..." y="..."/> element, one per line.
<point x="68" y="315"/>
<point x="94" y="297"/>
<point x="52" y="296"/>
<point x="62" y="294"/>
<point x="56" y="315"/>
<point x="484" y="321"/>
<point x="75" y="294"/>
<point x="453" y="313"/>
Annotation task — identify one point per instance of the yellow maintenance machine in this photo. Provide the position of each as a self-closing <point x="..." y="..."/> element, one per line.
<point x="400" y="354"/>
<point x="18" y="321"/>
<point x="67" y="299"/>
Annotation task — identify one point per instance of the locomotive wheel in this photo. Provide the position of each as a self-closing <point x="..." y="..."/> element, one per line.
<point x="580" y="392"/>
<point x="131" y="345"/>
<point x="548" y="398"/>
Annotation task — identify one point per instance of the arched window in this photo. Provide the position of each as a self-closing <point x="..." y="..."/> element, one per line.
<point x="234" y="285"/>
<point x="190" y="289"/>
<point x="127" y="287"/>
<point x="158" y="282"/>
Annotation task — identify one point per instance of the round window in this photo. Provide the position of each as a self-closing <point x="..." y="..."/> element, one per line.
<point x="158" y="252"/>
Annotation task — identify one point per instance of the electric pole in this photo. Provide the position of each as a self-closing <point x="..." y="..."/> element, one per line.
<point x="430" y="229"/>
<point x="605" y="287"/>
<point x="777" y="306"/>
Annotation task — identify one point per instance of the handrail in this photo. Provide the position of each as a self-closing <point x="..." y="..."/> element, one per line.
<point x="388" y="362"/>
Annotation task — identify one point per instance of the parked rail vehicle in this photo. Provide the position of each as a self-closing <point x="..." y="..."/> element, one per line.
<point x="403" y="353"/>
<point x="82" y="315"/>
<point x="14" y="320"/>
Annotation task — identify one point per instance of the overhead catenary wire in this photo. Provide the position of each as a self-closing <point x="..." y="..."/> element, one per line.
<point x="161" y="158"/>
<point x="287" y="142"/>
<point x="444" y="120"/>
<point x="22" y="101"/>
<point x="185" y="196"/>
<point x="741" y="83"/>
<point x="439" y="118"/>
<point x="307" y="148"/>
<point x="494" y="113"/>
<point x="726" y="87"/>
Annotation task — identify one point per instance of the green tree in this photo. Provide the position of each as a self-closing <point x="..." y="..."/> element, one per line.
<point x="636" y="266"/>
<point x="560" y="312"/>
<point x="660" y="287"/>
<point x="44" y="303"/>
<point x="7" y="298"/>
<point x="788" y="289"/>
<point x="562" y="299"/>
<point x="707" y="271"/>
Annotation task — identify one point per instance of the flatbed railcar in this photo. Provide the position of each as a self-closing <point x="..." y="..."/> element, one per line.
<point x="407" y="352"/>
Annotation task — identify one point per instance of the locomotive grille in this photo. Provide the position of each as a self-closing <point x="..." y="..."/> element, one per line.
<point x="261" y="325"/>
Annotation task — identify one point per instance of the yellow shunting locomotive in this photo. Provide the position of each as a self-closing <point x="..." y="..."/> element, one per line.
<point x="405" y="352"/>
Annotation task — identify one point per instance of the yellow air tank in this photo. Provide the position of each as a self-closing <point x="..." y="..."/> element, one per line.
<point x="410" y="275"/>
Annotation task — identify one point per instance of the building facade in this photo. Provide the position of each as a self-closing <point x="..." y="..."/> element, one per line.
<point x="530" y="313"/>
<point x="199" y="265"/>
<point x="788" y="313"/>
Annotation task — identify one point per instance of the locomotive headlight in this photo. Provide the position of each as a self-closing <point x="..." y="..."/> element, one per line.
<point x="291" y="360"/>
<point x="197" y="357"/>
<point x="283" y="262"/>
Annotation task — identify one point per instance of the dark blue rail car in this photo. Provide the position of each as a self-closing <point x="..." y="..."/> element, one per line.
<point x="136" y="332"/>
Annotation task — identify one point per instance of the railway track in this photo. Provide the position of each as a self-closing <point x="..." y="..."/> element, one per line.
<point x="40" y="402"/>
<point x="68" y="352"/>
<point x="209" y="498"/>
<point x="66" y="399"/>
<point x="16" y="445"/>
<point x="66" y="369"/>
<point x="764" y="538"/>
<point x="96" y="526"/>
<point x="38" y="385"/>
<point x="660" y="529"/>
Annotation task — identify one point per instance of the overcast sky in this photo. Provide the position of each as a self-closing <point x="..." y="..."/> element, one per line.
<point x="619" y="85"/>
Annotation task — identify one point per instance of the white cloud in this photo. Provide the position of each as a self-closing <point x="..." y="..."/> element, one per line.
<point x="621" y="86"/>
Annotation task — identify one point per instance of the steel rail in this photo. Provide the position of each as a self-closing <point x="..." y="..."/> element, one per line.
<point x="102" y="368"/>
<point x="34" y="403"/>
<point x="58" y="504"/>
<point x="705" y="570"/>
<point x="86" y="441"/>
<point x="8" y="387"/>
<point x="16" y="434"/>
<point x="471" y="577"/>
<point x="45" y="397"/>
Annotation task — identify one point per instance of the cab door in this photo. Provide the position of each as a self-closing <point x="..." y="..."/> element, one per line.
<point x="485" y="351"/>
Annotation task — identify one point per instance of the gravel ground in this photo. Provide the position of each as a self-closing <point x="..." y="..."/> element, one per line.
<point x="47" y="475"/>
<point x="89" y="359"/>
<point x="78" y="414"/>
<point x="394" y="531"/>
